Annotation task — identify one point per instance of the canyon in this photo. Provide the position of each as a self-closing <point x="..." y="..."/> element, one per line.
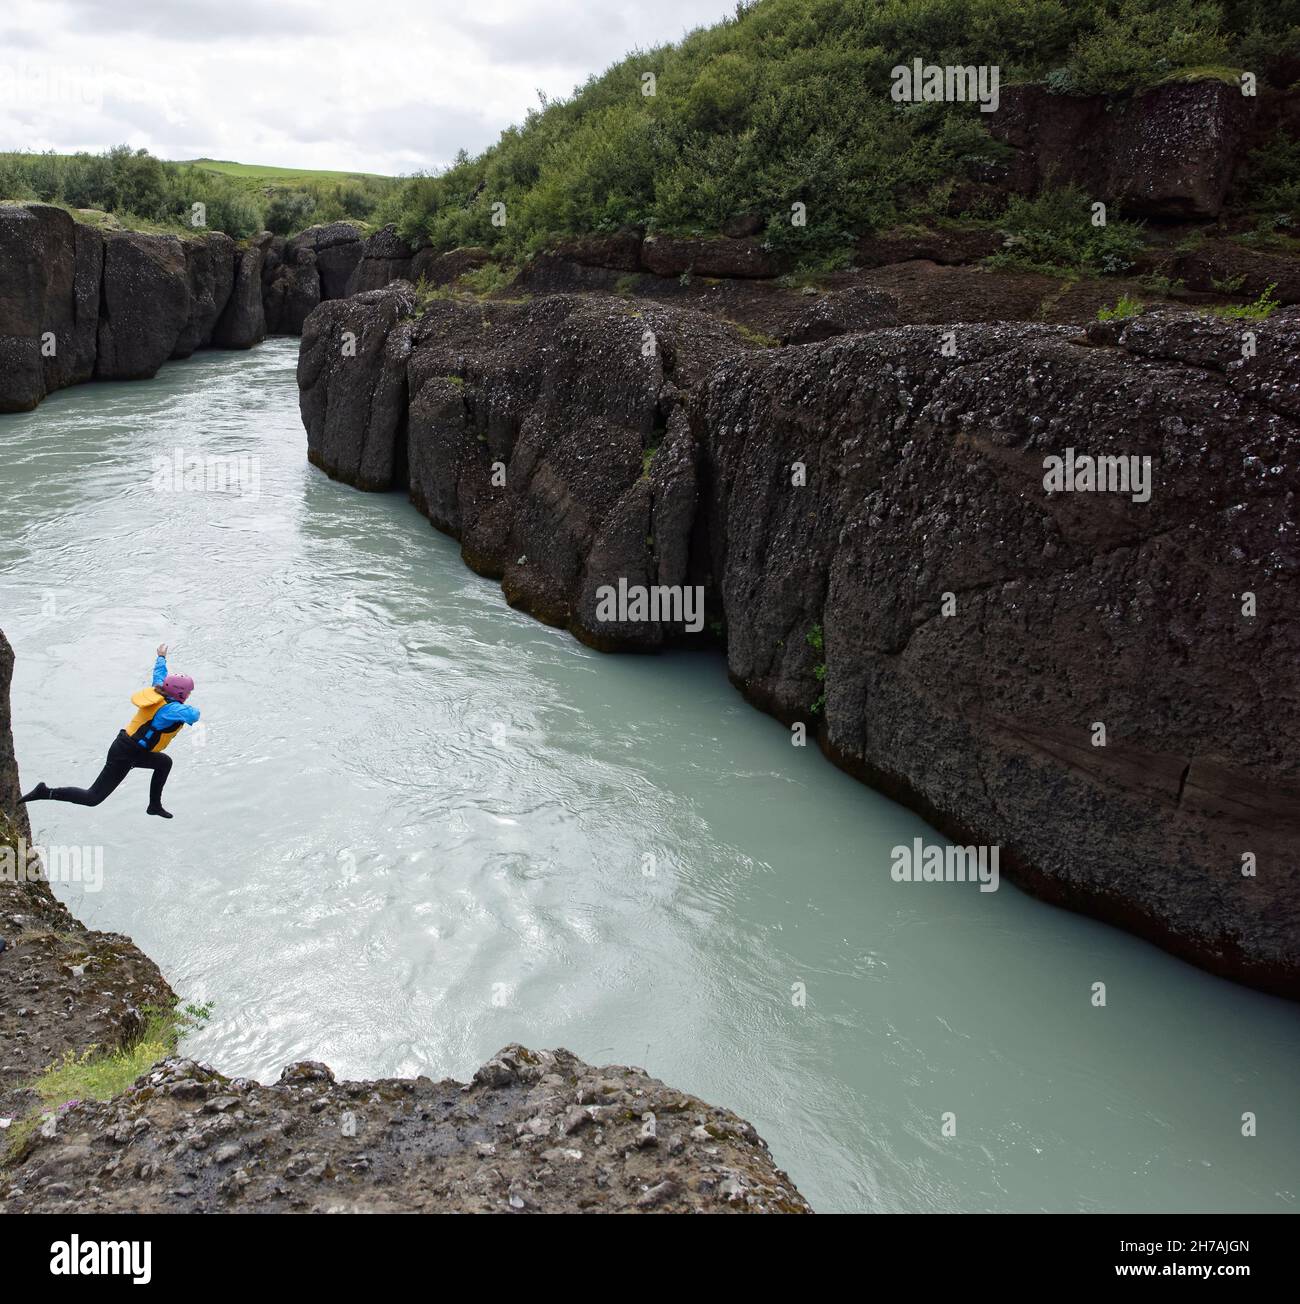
<point x="951" y="632"/>
<point x="851" y="476"/>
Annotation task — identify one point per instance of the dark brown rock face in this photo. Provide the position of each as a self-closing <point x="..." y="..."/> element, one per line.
<point x="145" y="304"/>
<point x="925" y="479"/>
<point x="50" y="269"/>
<point x="620" y="252"/>
<point x="673" y="256"/>
<point x="319" y="263"/>
<point x="842" y="312"/>
<point x="290" y="290"/>
<point x="161" y="298"/>
<point x="947" y="247"/>
<point x="1218" y="263"/>
<point x="548" y="437"/>
<point x="78" y="302"/>
<point x="1167" y="152"/>
<point x="923" y="494"/>
<point x="442" y="269"/>
<point x="10" y="784"/>
<point x="535" y="1132"/>
<point x="352" y="385"/>
<point x="210" y="270"/>
<point x="385" y="258"/>
<point x="242" y="323"/>
<point x="337" y="247"/>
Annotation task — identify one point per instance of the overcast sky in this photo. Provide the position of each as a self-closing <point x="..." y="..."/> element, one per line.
<point x="390" y="86"/>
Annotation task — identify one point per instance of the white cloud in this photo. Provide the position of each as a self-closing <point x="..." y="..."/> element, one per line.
<point x="384" y="86"/>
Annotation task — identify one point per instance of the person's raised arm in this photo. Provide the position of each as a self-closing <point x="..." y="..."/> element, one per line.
<point x="160" y="666"/>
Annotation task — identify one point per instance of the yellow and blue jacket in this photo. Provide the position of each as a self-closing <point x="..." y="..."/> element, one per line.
<point x="157" y="721"/>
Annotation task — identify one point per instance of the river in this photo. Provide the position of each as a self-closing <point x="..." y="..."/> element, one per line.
<point x="417" y="825"/>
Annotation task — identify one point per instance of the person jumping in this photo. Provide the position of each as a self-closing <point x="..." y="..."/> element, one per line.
<point x="160" y="715"/>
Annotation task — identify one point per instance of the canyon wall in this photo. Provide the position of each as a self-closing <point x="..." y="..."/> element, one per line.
<point x="82" y="303"/>
<point x="79" y="302"/>
<point x="867" y="519"/>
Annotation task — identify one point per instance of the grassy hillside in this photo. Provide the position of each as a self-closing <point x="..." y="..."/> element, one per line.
<point x="789" y="100"/>
<point x="286" y="178"/>
<point x="148" y="193"/>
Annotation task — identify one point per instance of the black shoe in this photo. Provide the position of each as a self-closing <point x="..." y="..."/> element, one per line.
<point x="158" y="810"/>
<point x="38" y="793"/>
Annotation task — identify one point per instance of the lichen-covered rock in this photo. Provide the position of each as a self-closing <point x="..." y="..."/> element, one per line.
<point x="145" y="305"/>
<point x="385" y="257"/>
<point x="1215" y="264"/>
<point x="675" y="256"/>
<point x="352" y="386"/>
<point x="1167" y="152"/>
<point x="210" y="269"/>
<point x="50" y="269"/>
<point x="437" y="269"/>
<point x="290" y="289"/>
<point x="843" y="312"/>
<point x="534" y="1132"/>
<point x="337" y="248"/>
<point x="531" y="432"/>
<point x="925" y="479"/>
<point x="619" y="252"/>
<point x="947" y="246"/>
<point x="242" y="323"/>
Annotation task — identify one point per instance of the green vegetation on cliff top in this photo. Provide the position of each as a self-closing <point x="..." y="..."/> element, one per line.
<point x="146" y="193"/>
<point x="789" y="100"/>
<point x="786" y="101"/>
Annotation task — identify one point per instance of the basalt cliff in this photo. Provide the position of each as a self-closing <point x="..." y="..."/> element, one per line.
<point x="1102" y="684"/>
<point x="80" y="302"/>
<point x="534" y="1131"/>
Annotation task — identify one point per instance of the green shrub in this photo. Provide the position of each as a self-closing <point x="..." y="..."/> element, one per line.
<point x="96" y="1074"/>
<point x="1261" y="310"/>
<point x="1162" y="284"/>
<point x="238" y="199"/>
<point x="1271" y="176"/>
<point x="788" y="102"/>
<point x="1053" y="233"/>
<point x="1140" y="43"/>
<point x="1122" y="310"/>
<point x="488" y="279"/>
<point x="288" y="213"/>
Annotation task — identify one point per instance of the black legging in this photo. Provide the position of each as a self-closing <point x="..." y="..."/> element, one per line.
<point x="123" y="757"/>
